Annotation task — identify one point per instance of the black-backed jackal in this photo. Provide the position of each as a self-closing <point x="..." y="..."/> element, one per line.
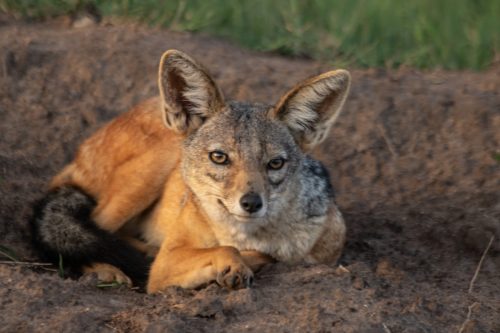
<point x="211" y="189"/>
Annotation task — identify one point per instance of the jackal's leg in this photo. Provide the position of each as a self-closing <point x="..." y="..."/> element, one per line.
<point x="256" y="260"/>
<point x="328" y="247"/>
<point x="107" y="273"/>
<point x="134" y="187"/>
<point x="140" y="245"/>
<point x="115" y="208"/>
<point x="192" y="268"/>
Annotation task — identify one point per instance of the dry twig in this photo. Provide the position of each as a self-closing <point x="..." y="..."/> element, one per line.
<point x="388" y="142"/>
<point x="476" y="273"/>
<point x="469" y="313"/>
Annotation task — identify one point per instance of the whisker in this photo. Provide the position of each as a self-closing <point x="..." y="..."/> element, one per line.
<point x="215" y="195"/>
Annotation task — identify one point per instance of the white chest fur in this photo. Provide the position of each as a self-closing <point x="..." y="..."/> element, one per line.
<point x="289" y="238"/>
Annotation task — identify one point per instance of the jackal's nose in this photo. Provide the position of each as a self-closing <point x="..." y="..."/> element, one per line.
<point x="251" y="202"/>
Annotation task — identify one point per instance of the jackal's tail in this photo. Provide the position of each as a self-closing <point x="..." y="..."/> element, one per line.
<point x="63" y="230"/>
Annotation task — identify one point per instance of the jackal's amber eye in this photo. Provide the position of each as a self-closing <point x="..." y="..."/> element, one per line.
<point x="276" y="163"/>
<point x="218" y="157"/>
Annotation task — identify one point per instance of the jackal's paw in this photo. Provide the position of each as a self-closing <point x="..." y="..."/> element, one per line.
<point x="108" y="274"/>
<point x="235" y="276"/>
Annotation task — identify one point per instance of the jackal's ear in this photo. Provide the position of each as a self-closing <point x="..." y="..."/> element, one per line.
<point x="311" y="107"/>
<point x="189" y="95"/>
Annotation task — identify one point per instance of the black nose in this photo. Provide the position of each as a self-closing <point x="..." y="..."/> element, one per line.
<point x="251" y="202"/>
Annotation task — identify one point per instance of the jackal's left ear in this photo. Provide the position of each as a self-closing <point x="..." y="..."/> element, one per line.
<point x="311" y="107"/>
<point x="189" y="95"/>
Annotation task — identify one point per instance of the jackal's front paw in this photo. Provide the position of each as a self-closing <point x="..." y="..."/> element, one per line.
<point x="235" y="276"/>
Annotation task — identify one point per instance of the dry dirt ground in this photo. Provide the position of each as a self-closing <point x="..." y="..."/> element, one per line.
<point x="414" y="159"/>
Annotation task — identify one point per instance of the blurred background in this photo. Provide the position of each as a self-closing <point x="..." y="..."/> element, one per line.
<point x="448" y="34"/>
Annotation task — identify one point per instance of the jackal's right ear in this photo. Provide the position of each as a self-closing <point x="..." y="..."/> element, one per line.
<point x="189" y="95"/>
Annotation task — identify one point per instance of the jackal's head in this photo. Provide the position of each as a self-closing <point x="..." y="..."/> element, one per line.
<point x="243" y="160"/>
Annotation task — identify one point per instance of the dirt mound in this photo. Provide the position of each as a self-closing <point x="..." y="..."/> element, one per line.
<point x="414" y="159"/>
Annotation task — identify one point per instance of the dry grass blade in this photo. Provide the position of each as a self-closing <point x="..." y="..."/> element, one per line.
<point x="25" y="263"/>
<point x="41" y="265"/>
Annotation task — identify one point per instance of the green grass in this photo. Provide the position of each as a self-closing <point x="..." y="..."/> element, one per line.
<point x="60" y="270"/>
<point x="113" y="284"/>
<point x="452" y="34"/>
<point x="8" y="253"/>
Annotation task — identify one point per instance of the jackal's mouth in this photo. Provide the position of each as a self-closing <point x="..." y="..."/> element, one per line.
<point x="242" y="218"/>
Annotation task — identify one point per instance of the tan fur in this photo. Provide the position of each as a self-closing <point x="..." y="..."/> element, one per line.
<point x="124" y="165"/>
<point x="332" y="237"/>
<point x="132" y="167"/>
<point x="107" y="273"/>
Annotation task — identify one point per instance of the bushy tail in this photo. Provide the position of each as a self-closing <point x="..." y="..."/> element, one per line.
<point x="62" y="228"/>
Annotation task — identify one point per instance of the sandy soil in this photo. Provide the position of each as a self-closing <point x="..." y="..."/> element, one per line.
<point x="415" y="166"/>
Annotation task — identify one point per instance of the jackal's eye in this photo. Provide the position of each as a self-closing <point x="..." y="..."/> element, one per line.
<point x="218" y="157"/>
<point x="276" y="163"/>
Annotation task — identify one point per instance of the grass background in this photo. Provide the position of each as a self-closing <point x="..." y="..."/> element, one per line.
<point x="451" y="34"/>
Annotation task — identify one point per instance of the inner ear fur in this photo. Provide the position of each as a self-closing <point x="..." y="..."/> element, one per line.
<point x="188" y="94"/>
<point x="311" y="107"/>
